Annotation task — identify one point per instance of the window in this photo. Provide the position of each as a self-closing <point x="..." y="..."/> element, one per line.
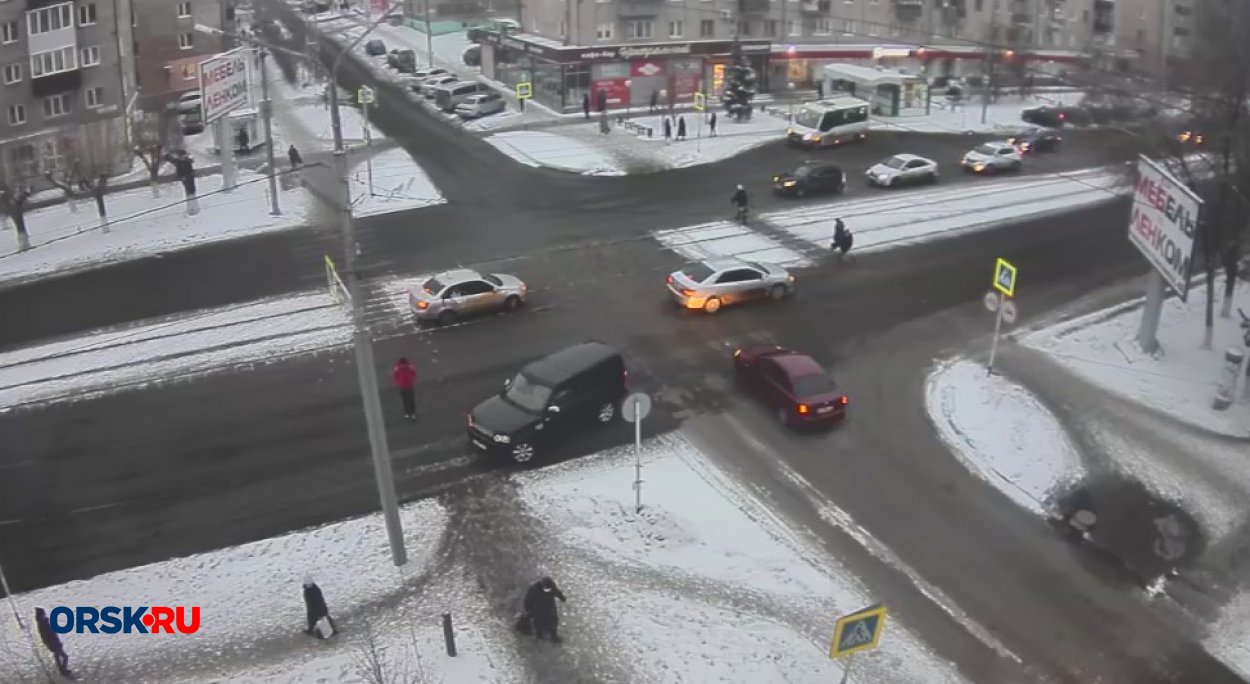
<point x="640" y="29"/>
<point x="824" y="26"/>
<point x="53" y="62"/>
<point x="848" y="27"/>
<point x="744" y="28"/>
<point x="184" y="10"/>
<point x="94" y="97"/>
<point x="792" y="28"/>
<point x="17" y="115"/>
<point x="86" y="14"/>
<point x="676" y="29"/>
<point x="707" y="28"/>
<point x="186" y="41"/>
<point x="8" y="32"/>
<point x="89" y="56"/>
<point x="604" y="31"/>
<point x="52" y="18"/>
<point x="56" y="105"/>
<point x="12" y="72"/>
<point x="770" y="27"/>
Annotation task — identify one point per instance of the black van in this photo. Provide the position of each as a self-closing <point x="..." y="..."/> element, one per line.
<point x="577" y="386"/>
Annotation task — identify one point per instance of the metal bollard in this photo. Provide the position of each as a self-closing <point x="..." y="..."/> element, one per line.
<point x="449" y="636"/>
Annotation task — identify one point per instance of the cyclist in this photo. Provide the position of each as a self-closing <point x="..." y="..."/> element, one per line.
<point x="742" y="201"/>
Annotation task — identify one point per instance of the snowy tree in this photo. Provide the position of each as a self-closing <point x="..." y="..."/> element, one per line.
<point x="739" y="88"/>
<point x="156" y="134"/>
<point x="97" y="155"/>
<point x="65" y="176"/>
<point x="15" y="192"/>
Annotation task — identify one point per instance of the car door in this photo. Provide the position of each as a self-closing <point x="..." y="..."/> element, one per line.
<point x="480" y="296"/>
<point x="454" y="299"/>
<point x="774" y="384"/>
<point x="740" y="284"/>
<point x="917" y="171"/>
<point x="1006" y="156"/>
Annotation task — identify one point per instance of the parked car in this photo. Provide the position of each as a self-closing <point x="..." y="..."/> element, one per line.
<point x="427" y="72"/>
<point x="482" y="104"/>
<point x="446" y="97"/>
<point x="992" y="157"/>
<point x="452" y="295"/>
<point x="404" y="61"/>
<point x="192" y="123"/>
<point x="1037" y="140"/>
<point x="792" y="384"/>
<point x="472" y="55"/>
<point x="903" y="169"/>
<point x="187" y="102"/>
<point x="577" y="386"/>
<point x="375" y="48"/>
<point x="709" y="285"/>
<point x="811" y="178"/>
<point x="429" y="85"/>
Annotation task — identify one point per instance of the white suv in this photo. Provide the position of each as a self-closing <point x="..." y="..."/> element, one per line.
<point x="993" y="157"/>
<point x="480" y="105"/>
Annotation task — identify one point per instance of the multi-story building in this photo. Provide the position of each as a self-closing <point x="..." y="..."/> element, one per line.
<point x="1159" y="32"/>
<point x="171" y="38"/>
<point x="65" y="85"/>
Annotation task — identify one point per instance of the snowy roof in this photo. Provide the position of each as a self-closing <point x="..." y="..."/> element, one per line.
<point x="874" y="75"/>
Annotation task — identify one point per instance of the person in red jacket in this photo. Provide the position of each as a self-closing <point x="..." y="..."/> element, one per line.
<point x="405" y="377"/>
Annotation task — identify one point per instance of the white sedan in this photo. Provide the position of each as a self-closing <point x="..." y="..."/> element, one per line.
<point x="993" y="157"/>
<point x="903" y="169"/>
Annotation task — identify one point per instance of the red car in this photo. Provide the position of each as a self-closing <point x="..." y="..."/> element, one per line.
<point x="793" y="384"/>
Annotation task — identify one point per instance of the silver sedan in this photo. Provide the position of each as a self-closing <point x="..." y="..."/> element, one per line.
<point x="709" y="285"/>
<point x="903" y="169"/>
<point x="456" y="294"/>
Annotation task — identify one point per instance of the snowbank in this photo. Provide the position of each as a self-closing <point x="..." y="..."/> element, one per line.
<point x="535" y="148"/>
<point x="398" y="184"/>
<point x="177" y="347"/>
<point x="965" y="117"/>
<point x="705" y="584"/>
<point x="1229" y="638"/>
<point x="1180" y="381"/>
<point x="1002" y="433"/>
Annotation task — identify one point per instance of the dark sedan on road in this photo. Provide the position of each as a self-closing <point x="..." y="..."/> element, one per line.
<point x="811" y="178"/>
<point x="792" y="384"/>
<point x="1037" y="140"/>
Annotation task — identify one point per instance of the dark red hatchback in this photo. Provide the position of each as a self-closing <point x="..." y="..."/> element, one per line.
<point x="791" y="383"/>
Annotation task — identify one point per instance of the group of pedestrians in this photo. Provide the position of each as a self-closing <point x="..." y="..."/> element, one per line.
<point x="841" y="242"/>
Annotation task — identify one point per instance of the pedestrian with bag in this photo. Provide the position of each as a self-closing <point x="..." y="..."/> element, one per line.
<point x="294" y="157"/>
<point x="405" y="379"/>
<point x="842" y="239"/>
<point x="320" y="624"/>
<point x="540" y="609"/>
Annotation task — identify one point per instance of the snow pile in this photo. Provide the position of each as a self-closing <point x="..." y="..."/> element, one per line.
<point x="1002" y="433"/>
<point x="143" y="225"/>
<point x="704" y="584"/>
<point x="251" y="605"/>
<point x="398" y="184"/>
<point x="314" y="117"/>
<point x="1179" y="381"/>
<point x="699" y="147"/>
<point x="1229" y="638"/>
<point x="119" y="359"/>
<point x="535" y="148"/>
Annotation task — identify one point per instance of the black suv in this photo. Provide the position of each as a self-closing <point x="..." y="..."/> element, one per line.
<point x="576" y="386"/>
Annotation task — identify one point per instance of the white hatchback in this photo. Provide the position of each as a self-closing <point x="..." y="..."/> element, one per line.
<point x="482" y="104"/>
<point x="993" y="157"/>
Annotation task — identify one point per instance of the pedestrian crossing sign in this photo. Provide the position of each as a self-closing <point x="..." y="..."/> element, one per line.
<point x="524" y="90"/>
<point x="700" y="102"/>
<point x="1005" y="277"/>
<point x="858" y="631"/>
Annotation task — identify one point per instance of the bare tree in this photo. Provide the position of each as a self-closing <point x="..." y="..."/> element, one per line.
<point x="15" y="192"/>
<point x="98" y="156"/>
<point x="156" y="134"/>
<point x="67" y="174"/>
<point x="376" y="666"/>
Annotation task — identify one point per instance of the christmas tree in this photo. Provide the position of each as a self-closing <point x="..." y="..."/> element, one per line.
<point x="739" y="88"/>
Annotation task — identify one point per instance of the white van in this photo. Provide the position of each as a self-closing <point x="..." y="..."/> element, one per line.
<point x="447" y="97"/>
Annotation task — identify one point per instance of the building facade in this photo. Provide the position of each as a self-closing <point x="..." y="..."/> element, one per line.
<point x="1158" y="32"/>
<point x="171" y="38"/>
<point x="65" y="86"/>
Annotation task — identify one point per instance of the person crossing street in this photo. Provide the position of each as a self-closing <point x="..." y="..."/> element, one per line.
<point x="405" y="378"/>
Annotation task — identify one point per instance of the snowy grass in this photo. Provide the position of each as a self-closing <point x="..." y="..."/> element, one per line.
<point x="1180" y="381"/>
<point x="176" y="347"/>
<point x="536" y="148"/>
<point x="1002" y="433"/>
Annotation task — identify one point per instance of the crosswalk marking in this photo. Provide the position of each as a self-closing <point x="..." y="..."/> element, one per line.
<point x="721" y="239"/>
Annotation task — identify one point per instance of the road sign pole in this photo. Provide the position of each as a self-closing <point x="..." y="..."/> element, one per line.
<point x="225" y="143"/>
<point x="846" y="669"/>
<point x="1151" y="313"/>
<point x="368" y="144"/>
<point x="637" y="456"/>
<point x="998" y="326"/>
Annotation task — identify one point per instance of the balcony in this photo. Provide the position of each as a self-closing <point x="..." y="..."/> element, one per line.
<point x="815" y="7"/>
<point x="908" y="11"/>
<point x="639" y="8"/>
<point x="754" y="6"/>
<point x="1022" y="19"/>
<point x="54" y="84"/>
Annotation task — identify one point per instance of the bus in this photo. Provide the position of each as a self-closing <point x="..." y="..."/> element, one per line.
<point x="829" y="122"/>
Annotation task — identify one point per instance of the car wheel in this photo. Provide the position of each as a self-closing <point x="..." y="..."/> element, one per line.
<point x="777" y="292"/>
<point x="1015" y="166"/>
<point x="799" y="192"/>
<point x="606" y="413"/>
<point x="523" y="452"/>
<point x="446" y="317"/>
<point x="712" y="305"/>
<point x="512" y="303"/>
<point x="933" y="178"/>
<point x="890" y="183"/>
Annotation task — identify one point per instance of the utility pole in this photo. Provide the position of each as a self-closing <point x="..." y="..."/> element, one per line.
<point x="266" y="113"/>
<point x="429" y="36"/>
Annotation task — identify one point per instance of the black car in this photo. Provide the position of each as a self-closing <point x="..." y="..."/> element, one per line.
<point x="1050" y="117"/>
<point x="577" y="386"/>
<point x="1037" y="140"/>
<point x="811" y="178"/>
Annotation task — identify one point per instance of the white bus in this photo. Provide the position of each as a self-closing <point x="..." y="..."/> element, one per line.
<point x="829" y="122"/>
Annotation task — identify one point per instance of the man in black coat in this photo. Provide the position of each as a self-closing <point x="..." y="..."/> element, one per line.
<point x="315" y="605"/>
<point x="52" y="641"/>
<point x="540" y="606"/>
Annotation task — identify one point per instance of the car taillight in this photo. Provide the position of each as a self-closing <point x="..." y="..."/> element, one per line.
<point x="669" y="280"/>
<point x="843" y="401"/>
<point x="423" y="305"/>
<point x="803" y="409"/>
<point x="737" y="353"/>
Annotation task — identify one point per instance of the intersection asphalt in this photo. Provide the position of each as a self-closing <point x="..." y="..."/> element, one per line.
<point x="142" y="476"/>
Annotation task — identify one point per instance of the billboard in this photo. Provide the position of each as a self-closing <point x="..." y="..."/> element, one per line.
<point x="223" y="84"/>
<point x="1164" y="222"/>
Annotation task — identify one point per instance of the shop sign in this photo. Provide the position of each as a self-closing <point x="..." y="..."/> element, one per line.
<point x="647" y="69"/>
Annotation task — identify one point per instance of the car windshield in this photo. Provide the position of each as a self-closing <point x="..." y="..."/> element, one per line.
<point x="527" y="394"/>
<point x="812" y="385"/>
<point x="432" y="286"/>
<point x="756" y="265"/>
<point x="696" y="272"/>
<point x="809" y="118"/>
<point x="895" y="162"/>
<point x="986" y="149"/>
<point x="802" y="172"/>
<point x="492" y="279"/>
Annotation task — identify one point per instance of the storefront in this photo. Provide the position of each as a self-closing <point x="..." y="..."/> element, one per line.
<point x="804" y="65"/>
<point x="615" y="76"/>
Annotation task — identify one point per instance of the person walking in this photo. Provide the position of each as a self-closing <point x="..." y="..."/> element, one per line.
<point x="540" y="606"/>
<point x="842" y="239"/>
<point x="52" y="641"/>
<point x="243" y="139"/>
<point x="654" y="101"/>
<point x="668" y="128"/>
<point x="681" y="128"/>
<point x="711" y="123"/>
<point x="405" y="377"/>
<point x="292" y="155"/>
<point x="317" y="610"/>
<point x="586" y="105"/>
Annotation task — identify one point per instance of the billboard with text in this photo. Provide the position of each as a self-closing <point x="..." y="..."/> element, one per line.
<point x="223" y="83"/>
<point x="1164" y="222"/>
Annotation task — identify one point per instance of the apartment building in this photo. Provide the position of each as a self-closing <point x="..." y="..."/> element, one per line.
<point x="171" y="38"/>
<point x="65" y="84"/>
<point x="1159" y="32"/>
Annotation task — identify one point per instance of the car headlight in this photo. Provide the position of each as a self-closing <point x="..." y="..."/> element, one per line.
<point x="502" y="439"/>
<point x="979" y="167"/>
<point x="788" y="184"/>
